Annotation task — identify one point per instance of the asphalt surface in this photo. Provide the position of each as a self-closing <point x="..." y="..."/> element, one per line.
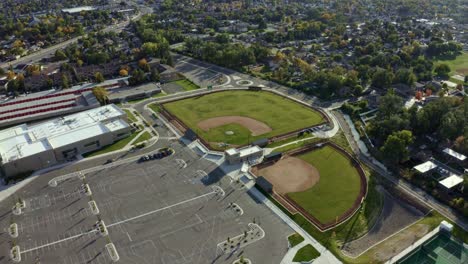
<point x="156" y="212"/>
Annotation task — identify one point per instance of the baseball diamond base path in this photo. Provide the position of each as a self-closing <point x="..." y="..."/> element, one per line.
<point x="255" y="126"/>
<point x="290" y="175"/>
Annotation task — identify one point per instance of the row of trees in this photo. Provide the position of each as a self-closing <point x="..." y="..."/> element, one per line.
<point x="395" y="126"/>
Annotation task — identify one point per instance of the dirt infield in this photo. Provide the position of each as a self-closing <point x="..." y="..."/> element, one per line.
<point x="255" y="126"/>
<point x="290" y="175"/>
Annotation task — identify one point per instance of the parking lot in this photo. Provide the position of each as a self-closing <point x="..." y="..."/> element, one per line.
<point x="170" y="210"/>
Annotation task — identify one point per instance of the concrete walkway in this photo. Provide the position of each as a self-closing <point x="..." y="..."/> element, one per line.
<point x="288" y="258"/>
<point x="269" y="150"/>
<point x="326" y="257"/>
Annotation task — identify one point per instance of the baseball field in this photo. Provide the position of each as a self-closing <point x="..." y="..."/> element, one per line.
<point x="240" y="117"/>
<point x="323" y="182"/>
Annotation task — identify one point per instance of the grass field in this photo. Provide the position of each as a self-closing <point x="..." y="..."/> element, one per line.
<point x="459" y="65"/>
<point x="143" y="137"/>
<point x="187" y="85"/>
<point x="280" y="114"/>
<point x="113" y="147"/>
<point x="306" y="253"/>
<point x="130" y="115"/>
<point x="337" y="188"/>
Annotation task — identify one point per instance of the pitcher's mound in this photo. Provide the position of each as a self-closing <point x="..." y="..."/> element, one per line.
<point x="290" y="175"/>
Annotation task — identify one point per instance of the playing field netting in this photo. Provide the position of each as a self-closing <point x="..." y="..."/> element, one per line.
<point x="441" y="249"/>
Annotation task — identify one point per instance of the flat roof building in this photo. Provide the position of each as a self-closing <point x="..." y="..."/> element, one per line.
<point x="26" y="148"/>
<point x="46" y="104"/>
<point x="247" y="154"/>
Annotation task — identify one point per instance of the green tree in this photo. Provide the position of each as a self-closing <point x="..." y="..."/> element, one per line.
<point x="98" y="77"/>
<point x="442" y="70"/>
<point x="60" y="55"/>
<point x="382" y="78"/>
<point x="395" y="148"/>
<point x="65" y="82"/>
<point x="101" y="94"/>
<point x="155" y="77"/>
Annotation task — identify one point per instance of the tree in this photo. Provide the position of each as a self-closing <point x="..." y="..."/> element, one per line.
<point x="442" y="70"/>
<point x="406" y="76"/>
<point x="390" y="104"/>
<point x="98" y="77"/>
<point x="143" y="64"/>
<point x="382" y="78"/>
<point x="123" y="72"/>
<point x="60" y="55"/>
<point x="395" y="148"/>
<point x="101" y="94"/>
<point x="65" y="82"/>
<point x="155" y="77"/>
<point x="418" y="95"/>
<point x="20" y="81"/>
<point x="11" y="75"/>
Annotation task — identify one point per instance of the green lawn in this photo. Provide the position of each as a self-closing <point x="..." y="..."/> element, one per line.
<point x="295" y="239"/>
<point x="306" y="253"/>
<point x="279" y="113"/>
<point x="143" y="137"/>
<point x="459" y="65"/>
<point x="337" y="188"/>
<point x="113" y="147"/>
<point x="130" y="115"/>
<point x="187" y="85"/>
<point x="155" y="107"/>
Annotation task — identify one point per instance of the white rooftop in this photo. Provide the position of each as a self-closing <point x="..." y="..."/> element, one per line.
<point x="455" y="154"/>
<point x="23" y="140"/>
<point x="78" y="9"/>
<point x="451" y="181"/>
<point x="425" y="167"/>
<point x="249" y="151"/>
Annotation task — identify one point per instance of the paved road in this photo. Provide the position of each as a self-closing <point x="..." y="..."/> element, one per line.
<point x="37" y="56"/>
<point x="409" y="189"/>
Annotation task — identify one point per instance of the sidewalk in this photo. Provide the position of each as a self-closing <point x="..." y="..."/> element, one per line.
<point x="326" y="257"/>
<point x="288" y="258"/>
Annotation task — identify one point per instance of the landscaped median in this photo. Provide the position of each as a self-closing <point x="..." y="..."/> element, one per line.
<point x="15" y="254"/>
<point x="306" y="254"/>
<point x="114" y="255"/>
<point x="295" y="239"/>
<point x="13" y="230"/>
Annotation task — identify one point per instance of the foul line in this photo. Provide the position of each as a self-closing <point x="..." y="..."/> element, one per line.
<point x="160" y="209"/>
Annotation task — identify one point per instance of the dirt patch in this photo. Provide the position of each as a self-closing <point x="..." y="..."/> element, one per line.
<point x="396" y="214"/>
<point x="290" y="175"/>
<point x="255" y="126"/>
<point x="463" y="71"/>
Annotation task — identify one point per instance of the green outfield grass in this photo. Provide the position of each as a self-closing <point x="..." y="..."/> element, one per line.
<point x="337" y="188"/>
<point x="280" y="114"/>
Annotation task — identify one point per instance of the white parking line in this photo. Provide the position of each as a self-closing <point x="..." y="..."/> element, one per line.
<point x="58" y="241"/>
<point x="160" y="209"/>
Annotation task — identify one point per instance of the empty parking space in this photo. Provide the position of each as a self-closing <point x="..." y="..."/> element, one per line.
<point x="155" y="212"/>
